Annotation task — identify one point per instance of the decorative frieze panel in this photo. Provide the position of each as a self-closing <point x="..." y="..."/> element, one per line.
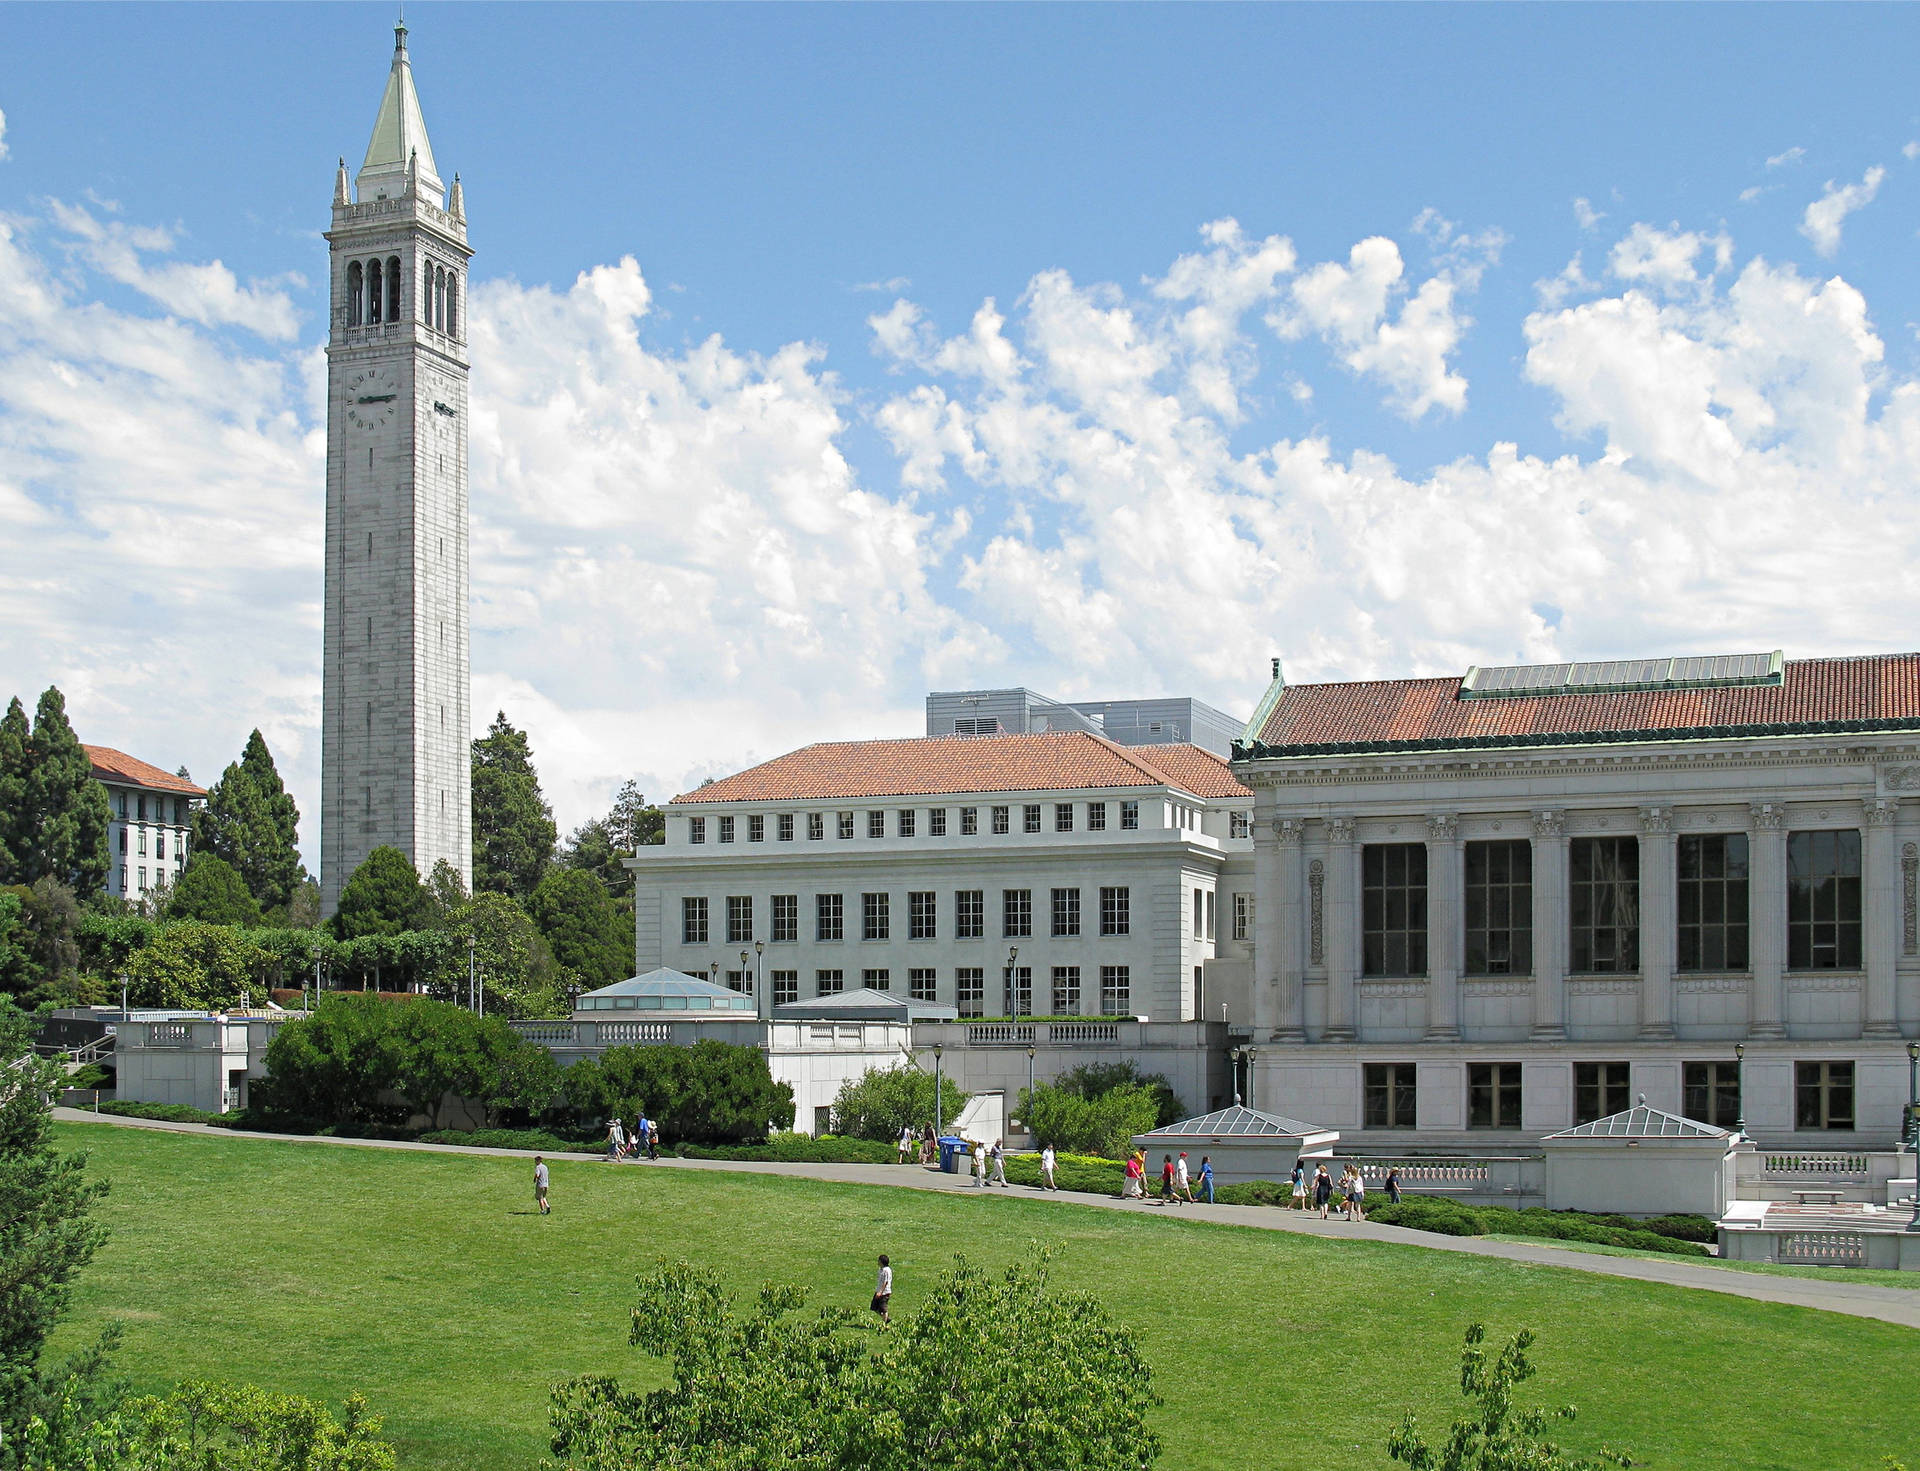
<point x="1393" y="988"/>
<point x="1522" y="986"/>
<point x="1901" y="778"/>
<point x="1803" y="980"/>
<point x="1603" y="985"/>
<point x="1316" y="904"/>
<point x="1700" y="985"/>
<point x="1909" y="866"/>
<point x="1549" y="824"/>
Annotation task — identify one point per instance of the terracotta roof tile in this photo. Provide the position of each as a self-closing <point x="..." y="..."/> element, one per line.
<point x="110" y="765"/>
<point x="1873" y="687"/>
<point x="946" y="765"/>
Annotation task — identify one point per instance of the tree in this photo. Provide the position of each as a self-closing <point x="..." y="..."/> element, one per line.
<point x="515" y="969"/>
<point x="198" y="966"/>
<point x="882" y="1101"/>
<point x="1104" y="1125"/>
<point x="383" y="897"/>
<point x="212" y="891"/>
<point x="1495" y="1435"/>
<point x="995" y="1370"/>
<point x="448" y="889"/>
<point x="513" y="831"/>
<point x="202" y="1426"/>
<point x="250" y="821"/>
<point x="333" y="1066"/>
<point x="711" y="1092"/>
<point x="582" y="927"/>
<point x="597" y="847"/>
<point x="15" y="737"/>
<point x="1094" y="1080"/>
<point x="60" y="828"/>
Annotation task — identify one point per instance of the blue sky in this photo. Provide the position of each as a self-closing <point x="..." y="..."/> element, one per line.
<point x="780" y="474"/>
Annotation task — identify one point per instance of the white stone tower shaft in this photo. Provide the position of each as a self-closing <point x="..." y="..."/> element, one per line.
<point x="396" y="719"/>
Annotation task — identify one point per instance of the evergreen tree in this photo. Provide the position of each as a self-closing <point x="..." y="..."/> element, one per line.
<point x="513" y="831"/>
<point x="63" y="831"/>
<point x="384" y="897"/>
<point x="250" y="821"/>
<point x="212" y="891"/>
<point x="597" y="847"/>
<point x="15" y="736"/>
<point x="582" y="927"/>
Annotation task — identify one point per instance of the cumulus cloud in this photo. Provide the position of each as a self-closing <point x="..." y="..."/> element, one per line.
<point x="1821" y="223"/>
<point x="1585" y="215"/>
<point x="3" y="137"/>
<point x="1790" y="155"/>
<point x="1910" y="150"/>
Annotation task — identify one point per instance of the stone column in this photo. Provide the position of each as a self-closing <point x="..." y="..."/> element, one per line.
<point x="1881" y="916"/>
<point x="1659" y="919"/>
<point x="1767" y="918"/>
<point x="1342" y="928"/>
<point x="1446" y="937"/>
<point x="1549" y="926"/>
<point x="1290" y="940"/>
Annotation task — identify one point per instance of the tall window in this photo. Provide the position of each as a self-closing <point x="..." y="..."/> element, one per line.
<point x="1030" y="817"/>
<point x="969" y="914"/>
<point x="816" y="826"/>
<point x="1388" y="1096"/>
<point x="970" y="990"/>
<point x="1393" y="909"/>
<point x="740" y="980"/>
<point x="696" y="829"/>
<point x="786" y="919"/>
<point x="726" y="829"/>
<point x="1063" y="817"/>
<point x="786" y="986"/>
<point x="1493" y="1095"/>
<point x="1016" y="912"/>
<point x="1129" y="816"/>
<point x="1000" y="820"/>
<point x="829" y="917"/>
<point x="1823" y="901"/>
<point x="739" y="919"/>
<point x="756" y="829"/>
<point x="969" y="821"/>
<point x="1019" y="980"/>
<point x="903" y="822"/>
<point x="877" y="980"/>
<point x="1116" y="911"/>
<point x="1116" y="990"/>
<point x="1199" y="915"/>
<point x="922" y="923"/>
<point x="785" y="828"/>
<point x="923" y="983"/>
<point x="693" y="921"/>
<point x="829" y="982"/>
<point x="1096" y="817"/>
<point x="1499" y="898"/>
<point x="1604" y="897"/>
<point x="874" y="921"/>
<point x="936" y="822"/>
<point x="844" y="821"/>
<point x="1823" y="1095"/>
<point x="1600" y="1089"/>
<point x="1243" y="916"/>
<point x="1066" y="990"/>
<point x="876" y="824"/>
<point x="1066" y="913"/>
<point x="1713" y="901"/>
<point x="1238" y="825"/>
<point x="1711" y="1092"/>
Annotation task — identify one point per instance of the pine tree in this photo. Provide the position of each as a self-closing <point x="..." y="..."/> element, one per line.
<point x="15" y="736"/>
<point x="384" y="897"/>
<point x="598" y="846"/>
<point x="582" y="927"/>
<point x="213" y="892"/>
<point x="251" y="823"/>
<point x="513" y="831"/>
<point x="65" y="807"/>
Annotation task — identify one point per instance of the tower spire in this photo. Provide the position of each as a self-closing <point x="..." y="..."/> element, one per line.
<point x="399" y="132"/>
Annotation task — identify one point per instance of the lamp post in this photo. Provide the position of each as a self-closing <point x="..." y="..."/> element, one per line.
<point x="1013" y="954"/>
<point x="1252" y="1053"/>
<point x="1236" y="1056"/>
<point x="1029" y="1108"/>
<point x="759" y="948"/>
<point x="746" y="978"/>
<point x="471" y="993"/>
<point x="939" y="1116"/>
<point x="1740" y="1088"/>
<point x="1913" y="1126"/>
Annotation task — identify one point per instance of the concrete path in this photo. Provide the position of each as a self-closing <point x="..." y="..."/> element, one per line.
<point x="1835" y="1294"/>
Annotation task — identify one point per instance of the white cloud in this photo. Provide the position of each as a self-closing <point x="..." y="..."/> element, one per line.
<point x="1822" y="221"/>
<point x="888" y="287"/>
<point x="1791" y="155"/>
<point x="1910" y="150"/>
<point x="1585" y="215"/>
<point x="4" y="151"/>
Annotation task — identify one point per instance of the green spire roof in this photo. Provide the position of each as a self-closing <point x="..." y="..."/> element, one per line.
<point x="399" y="134"/>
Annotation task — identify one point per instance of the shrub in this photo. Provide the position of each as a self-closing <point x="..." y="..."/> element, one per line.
<point x="1103" y="1126"/>
<point x="1451" y="1218"/>
<point x="1094" y="1080"/>
<point x="882" y="1101"/>
<point x="1085" y="1173"/>
<point x="1255" y="1192"/>
<point x="171" y="1113"/>
<point x="539" y="1141"/>
<point x="710" y="1093"/>
<point x="827" y="1149"/>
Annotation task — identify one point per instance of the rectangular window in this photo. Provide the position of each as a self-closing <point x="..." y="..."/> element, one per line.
<point x="740" y="980"/>
<point x="1199" y="916"/>
<point x="1499" y="900"/>
<point x="1823" y="1092"/>
<point x="1711" y="1092"/>
<point x="123" y="844"/>
<point x="1493" y="1095"/>
<point x="739" y="919"/>
<point x="1388" y="1096"/>
<point x="143" y="878"/>
<point x="160" y="845"/>
<point x="1604" y="899"/>
<point x="1030" y="817"/>
<point x="1129" y="816"/>
<point x="1601" y="1089"/>
<point x="816" y="826"/>
<point x="936" y="822"/>
<point x="1210" y="913"/>
<point x="1096" y="817"/>
<point x="726" y="829"/>
<point x="877" y="980"/>
<point x="786" y="986"/>
<point x="922" y="923"/>
<point x="756" y="829"/>
<point x="969" y="821"/>
<point x="923" y="984"/>
<point x="1063" y="817"/>
<point x="1243" y="916"/>
<point x="786" y="919"/>
<point x="1393" y="909"/>
<point x="903" y="822"/>
<point x="142" y="849"/>
<point x="828" y="982"/>
<point x="1066" y="913"/>
<point x="829" y="916"/>
<point x="874" y="918"/>
<point x="1237" y="825"/>
<point x="1000" y="827"/>
<point x="876" y="824"/>
<point x="1116" y="911"/>
<point x="1016" y="913"/>
<point x="1712" y="932"/>
<point x="693" y="921"/>
<point x="969" y="914"/>
<point x="1823" y="901"/>
<point x="123" y="874"/>
<point x="845" y="824"/>
<point x="1116" y="990"/>
<point x="785" y="831"/>
<point x="1066" y="990"/>
<point x="1019" y="990"/>
<point x="970" y="990"/>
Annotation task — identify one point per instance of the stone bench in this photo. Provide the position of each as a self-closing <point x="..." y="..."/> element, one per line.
<point x="1818" y="1197"/>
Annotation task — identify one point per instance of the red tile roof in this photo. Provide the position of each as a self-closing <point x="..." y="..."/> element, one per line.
<point x="1875" y="687"/>
<point x="118" y="767"/>
<point x="946" y="765"/>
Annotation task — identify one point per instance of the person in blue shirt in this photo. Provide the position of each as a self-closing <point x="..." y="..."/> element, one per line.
<point x="1206" y="1177"/>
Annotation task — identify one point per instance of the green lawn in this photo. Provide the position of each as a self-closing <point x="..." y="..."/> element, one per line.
<point x="1869" y="1275"/>
<point x="427" y="1282"/>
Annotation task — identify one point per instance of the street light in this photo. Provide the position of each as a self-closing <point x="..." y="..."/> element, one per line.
<point x="939" y="1117"/>
<point x="1252" y="1053"/>
<point x="1913" y="1126"/>
<point x="759" y="947"/>
<point x="1237" y="1056"/>
<point x="1013" y="954"/>
<point x="746" y="978"/>
<point x="1028" y="1110"/>
<point x="1740" y="1089"/>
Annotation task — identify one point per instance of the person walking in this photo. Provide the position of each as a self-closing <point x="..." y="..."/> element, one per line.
<point x="1393" y="1184"/>
<point x="980" y="1164"/>
<point x="653" y="1138"/>
<point x="1135" y="1184"/>
<point x="905" y="1144"/>
<point x="540" y="1186"/>
<point x="1322" y="1190"/>
<point x="616" y="1140"/>
<point x="1346" y="1192"/>
<point x="1357" y="1197"/>
<point x="640" y="1122"/>
<point x="1046" y="1169"/>
<point x="1206" y="1176"/>
<point x="1299" y="1186"/>
<point x="883" y="1289"/>
<point x="999" y="1155"/>
<point x="1166" y="1178"/>
<point x="1182" y="1182"/>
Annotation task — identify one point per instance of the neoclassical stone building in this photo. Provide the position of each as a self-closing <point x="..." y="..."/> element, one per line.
<point x="1499" y="905"/>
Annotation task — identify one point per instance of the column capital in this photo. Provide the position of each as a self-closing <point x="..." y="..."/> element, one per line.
<point x="1768" y="816"/>
<point x="1549" y="823"/>
<point x="1340" y="829"/>
<point x="1656" y="819"/>
<point x="1882" y="811"/>
<point x="1443" y="827"/>
<point x="1289" y="831"/>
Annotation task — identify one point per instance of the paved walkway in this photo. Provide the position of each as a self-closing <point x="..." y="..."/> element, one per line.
<point x="1836" y="1294"/>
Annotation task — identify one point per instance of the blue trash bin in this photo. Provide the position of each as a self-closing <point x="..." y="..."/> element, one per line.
<point x="950" y="1149"/>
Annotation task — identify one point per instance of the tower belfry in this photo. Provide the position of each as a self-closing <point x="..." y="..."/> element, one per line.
<point x="394" y="742"/>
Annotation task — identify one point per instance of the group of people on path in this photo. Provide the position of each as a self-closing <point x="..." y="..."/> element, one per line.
<point x="644" y="1140"/>
<point x="1177" y="1179"/>
<point x="1316" y="1191"/>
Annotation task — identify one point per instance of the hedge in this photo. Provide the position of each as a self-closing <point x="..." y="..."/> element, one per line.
<point x="1086" y="1173"/>
<point x="537" y="1140"/>
<point x="172" y="1113"/>
<point x="1254" y="1192"/>
<point x="827" y="1149"/>
<point x="1450" y="1218"/>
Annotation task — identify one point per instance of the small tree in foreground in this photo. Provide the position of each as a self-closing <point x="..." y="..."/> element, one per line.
<point x="992" y="1371"/>
<point x="882" y="1101"/>
<point x="1496" y="1435"/>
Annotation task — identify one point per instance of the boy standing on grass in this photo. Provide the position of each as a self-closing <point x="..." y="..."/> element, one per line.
<point x="883" y="1290"/>
<point x="540" y="1185"/>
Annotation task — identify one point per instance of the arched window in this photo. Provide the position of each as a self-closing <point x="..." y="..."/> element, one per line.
<point x="393" y="288"/>
<point x="440" y="297"/>
<point x="426" y="292"/>
<point x="453" y="310"/>
<point x="375" y="298"/>
<point x="356" y="295"/>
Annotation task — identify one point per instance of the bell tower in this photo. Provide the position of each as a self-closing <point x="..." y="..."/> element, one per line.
<point x="396" y="721"/>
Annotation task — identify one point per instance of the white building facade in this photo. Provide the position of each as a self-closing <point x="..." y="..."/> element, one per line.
<point x="1493" y="908"/>
<point x="150" y="812"/>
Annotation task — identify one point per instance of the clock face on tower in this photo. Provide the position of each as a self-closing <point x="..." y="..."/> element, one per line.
<point x="370" y="397"/>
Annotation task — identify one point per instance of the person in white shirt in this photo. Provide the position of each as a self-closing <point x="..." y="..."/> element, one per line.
<point x="616" y="1140"/>
<point x="999" y="1156"/>
<point x="905" y="1146"/>
<point x="980" y="1164"/>
<point x="540" y="1185"/>
<point x="1046" y="1169"/>
<point x="1182" y="1186"/>
<point x="883" y="1290"/>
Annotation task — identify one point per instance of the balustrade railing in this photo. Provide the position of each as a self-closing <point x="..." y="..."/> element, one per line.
<point x="1000" y="1034"/>
<point x="1428" y="1171"/>
<point x="628" y="1032"/>
<point x="1081" y="1033"/>
<point x="169" y="1034"/>
<point x="1815" y="1166"/>
<point x="550" y="1032"/>
<point x="1824" y="1249"/>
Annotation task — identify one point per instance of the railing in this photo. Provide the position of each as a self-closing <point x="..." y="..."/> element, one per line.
<point x="1824" y="1248"/>
<point x="560" y="1032"/>
<point x="1070" y="1033"/>
<point x="1001" y="1034"/>
<point x="1427" y="1171"/>
<point x="170" y="1034"/>
<point x="627" y="1032"/>
<point x="1820" y="1166"/>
